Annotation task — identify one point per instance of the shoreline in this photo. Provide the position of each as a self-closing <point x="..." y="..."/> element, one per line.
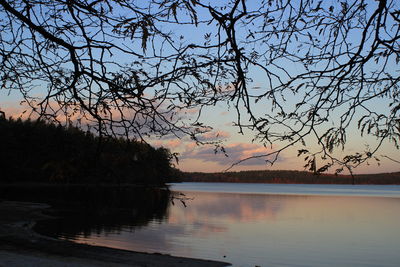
<point x="21" y="246"/>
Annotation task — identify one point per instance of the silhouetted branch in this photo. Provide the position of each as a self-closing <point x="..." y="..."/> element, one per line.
<point x="119" y="66"/>
<point x="397" y="161"/>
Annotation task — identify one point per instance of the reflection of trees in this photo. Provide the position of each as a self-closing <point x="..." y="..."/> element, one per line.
<point x="94" y="209"/>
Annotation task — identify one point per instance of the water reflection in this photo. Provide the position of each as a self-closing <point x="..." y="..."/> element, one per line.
<point x="94" y="211"/>
<point x="292" y="230"/>
<point x="264" y="230"/>
<point x="234" y="207"/>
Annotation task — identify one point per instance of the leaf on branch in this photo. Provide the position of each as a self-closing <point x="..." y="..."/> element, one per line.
<point x="337" y="171"/>
<point x="302" y="151"/>
<point x="145" y="36"/>
<point x="299" y="86"/>
<point x="309" y="36"/>
<point x="173" y="10"/>
<point x="323" y="168"/>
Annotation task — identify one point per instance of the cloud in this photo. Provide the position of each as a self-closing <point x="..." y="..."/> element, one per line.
<point x="214" y="135"/>
<point x="183" y="143"/>
<point x="58" y="111"/>
<point x="190" y="146"/>
<point x="179" y="140"/>
<point x="257" y="86"/>
<point x="171" y="143"/>
<point x="235" y="152"/>
<point x="141" y="121"/>
<point x="174" y="143"/>
<point x="193" y="111"/>
<point x="15" y="111"/>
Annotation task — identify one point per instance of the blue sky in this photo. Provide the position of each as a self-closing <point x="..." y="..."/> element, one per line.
<point x="222" y="116"/>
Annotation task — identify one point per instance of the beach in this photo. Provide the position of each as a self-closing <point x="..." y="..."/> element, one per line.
<point x="21" y="246"/>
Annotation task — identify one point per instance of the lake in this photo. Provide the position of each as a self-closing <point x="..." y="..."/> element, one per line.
<point x="263" y="224"/>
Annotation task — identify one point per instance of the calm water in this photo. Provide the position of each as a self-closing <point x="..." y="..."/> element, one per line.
<point x="269" y="225"/>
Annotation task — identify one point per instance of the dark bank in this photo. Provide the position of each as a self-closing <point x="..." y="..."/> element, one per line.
<point x="88" y="184"/>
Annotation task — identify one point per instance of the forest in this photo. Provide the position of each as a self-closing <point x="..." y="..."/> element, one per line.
<point x="291" y="177"/>
<point x="42" y="152"/>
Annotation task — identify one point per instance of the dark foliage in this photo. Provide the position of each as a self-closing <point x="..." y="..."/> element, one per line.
<point x="88" y="209"/>
<point x="41" y="152"/>
<point x="291" y="177"/>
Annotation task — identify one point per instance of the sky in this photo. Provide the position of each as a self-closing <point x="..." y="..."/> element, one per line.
<point x="238" y="146"/>
<point x="202" y="158"/>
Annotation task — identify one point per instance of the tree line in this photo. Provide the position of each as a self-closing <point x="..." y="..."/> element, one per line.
<point x="291" y="177"/>
<point x="38" y="151"/>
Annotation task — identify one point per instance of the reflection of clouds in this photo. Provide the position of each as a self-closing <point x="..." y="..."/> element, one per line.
<point x="204" y="229"/>
<point x="157" y="237"/>
<point x="154" y="238"/>
<point x="229" y="208"/>
<point x="270" y="229"/>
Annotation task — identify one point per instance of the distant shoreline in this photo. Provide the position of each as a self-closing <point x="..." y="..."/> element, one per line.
<point x="291" y="177"/>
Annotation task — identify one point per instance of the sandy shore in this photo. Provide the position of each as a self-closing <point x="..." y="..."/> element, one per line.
<point x="21" y="246"/>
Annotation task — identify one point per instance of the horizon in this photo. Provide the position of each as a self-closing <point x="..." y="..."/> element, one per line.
<point x="202" y="158"/>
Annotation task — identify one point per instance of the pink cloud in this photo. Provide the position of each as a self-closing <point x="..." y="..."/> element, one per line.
<point x="190" y="111"/>
<point x="171" y="143"/>
<point x="15" y="112"/>
<point x="66" y="113"/>
<point x="211" y="136"/>
<point x="190" y="146"/>
<point x="24" y="111"/>
<point x="234" y="153"/>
